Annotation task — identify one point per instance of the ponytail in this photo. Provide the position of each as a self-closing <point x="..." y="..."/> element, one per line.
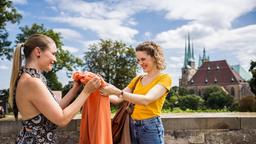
<point x="16" y="66"/>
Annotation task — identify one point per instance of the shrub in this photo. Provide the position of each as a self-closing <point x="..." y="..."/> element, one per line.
<point x="248" y="104"/>
<point x="170" y="103"/>
<point x="219" y="100"/>
<point x="193" y="102"/>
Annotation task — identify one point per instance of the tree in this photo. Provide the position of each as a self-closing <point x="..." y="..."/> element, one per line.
<point x="7" y="14"/>
<point x="182" y="91"/>
<point x="113" y="60"/>
<point x="4" y="93"/>
<point x="65" y="60"/>
<point x="193" y="102"/>
<point x="216" y="98"/>
<point x="252" y="82"/>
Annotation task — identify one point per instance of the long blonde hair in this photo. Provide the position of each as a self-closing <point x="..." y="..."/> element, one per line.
<point x="16" y="66"/>
<point x="36" y="40"/>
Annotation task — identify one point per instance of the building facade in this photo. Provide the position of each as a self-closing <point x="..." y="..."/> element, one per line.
<point x="212" y="73"/>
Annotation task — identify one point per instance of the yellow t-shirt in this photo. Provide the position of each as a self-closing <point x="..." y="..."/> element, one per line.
<point x="153" y="109"/>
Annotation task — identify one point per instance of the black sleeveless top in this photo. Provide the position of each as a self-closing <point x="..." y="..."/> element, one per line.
<point x="37" y="130"/>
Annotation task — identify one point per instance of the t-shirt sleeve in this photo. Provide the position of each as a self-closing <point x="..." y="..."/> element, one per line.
<point x="166" y="81"/>
<point x="131" y="84"/>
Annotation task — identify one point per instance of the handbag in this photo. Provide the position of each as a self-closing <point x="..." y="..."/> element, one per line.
<point x="121" y="121"/>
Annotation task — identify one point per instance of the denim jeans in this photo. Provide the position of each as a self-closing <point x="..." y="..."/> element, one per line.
<point x="148" y="131"/>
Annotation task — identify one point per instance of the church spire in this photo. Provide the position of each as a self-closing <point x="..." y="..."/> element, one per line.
<point x="199" y="61"/>
<point x="193" y="57"/>
<point x="204" y="54"/>
<point x="185" y="55"/>
<point x="189" y="56"/>
<point x="204" y="58"/>
<point x="189" y="48"/>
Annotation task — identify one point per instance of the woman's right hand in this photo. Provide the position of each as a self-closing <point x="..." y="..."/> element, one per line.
<point x="92" y="85"/>
<point x="110" y="90"/>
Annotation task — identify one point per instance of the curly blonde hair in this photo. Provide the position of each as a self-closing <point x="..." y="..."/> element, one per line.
<point x="155" y="51"/>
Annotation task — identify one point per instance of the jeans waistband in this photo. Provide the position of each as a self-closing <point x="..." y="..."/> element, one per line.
<point x="146" y="121"/>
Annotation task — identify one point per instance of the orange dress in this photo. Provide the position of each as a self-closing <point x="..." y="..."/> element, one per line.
<point x="95" y="125"/>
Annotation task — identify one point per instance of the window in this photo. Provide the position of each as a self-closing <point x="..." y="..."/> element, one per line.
<point x="232" y="91"/>
<point x="215" y="80"/>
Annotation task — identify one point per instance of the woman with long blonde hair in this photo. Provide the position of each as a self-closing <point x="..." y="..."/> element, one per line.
<point x="40" y="110"/>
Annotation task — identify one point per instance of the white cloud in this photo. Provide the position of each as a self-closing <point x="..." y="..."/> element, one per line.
<point x="106" y="19"/>
<point x="105" y="29"/>
<point x="208" y="22"/>
<point x="68" y="33"/>
<point x="71" y="49"/>
<point x="86" y="44"/>
<point x="176" y="38"/>
<point x="148" y="35"/>
<point x="217" y="14"/>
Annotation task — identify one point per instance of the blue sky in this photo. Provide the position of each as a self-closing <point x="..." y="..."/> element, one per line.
<point x="226" y="28"/>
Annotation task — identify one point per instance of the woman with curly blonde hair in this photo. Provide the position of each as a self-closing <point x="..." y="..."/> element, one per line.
<point x="148" y="95"/>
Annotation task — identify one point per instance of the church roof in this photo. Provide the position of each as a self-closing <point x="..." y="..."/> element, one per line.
<point x="242" y="72"/>
<point x="215" y="72"/>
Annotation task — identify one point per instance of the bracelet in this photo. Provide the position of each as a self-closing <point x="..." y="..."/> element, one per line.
<point x="121" y="94"/>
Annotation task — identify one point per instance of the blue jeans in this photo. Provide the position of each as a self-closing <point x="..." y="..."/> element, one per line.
<point x="148" y="131"/>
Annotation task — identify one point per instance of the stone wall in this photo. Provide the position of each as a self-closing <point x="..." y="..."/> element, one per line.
<point x="196" y="129"/>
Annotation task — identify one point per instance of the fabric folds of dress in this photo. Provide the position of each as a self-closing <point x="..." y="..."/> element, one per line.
<point x="95" y="125"/>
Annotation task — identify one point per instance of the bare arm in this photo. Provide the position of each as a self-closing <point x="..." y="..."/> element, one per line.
<point x="70" y="95"/>
<point x="116" y="99"/>
<point x="155" y="93"/>
<point x="46" y="104"/>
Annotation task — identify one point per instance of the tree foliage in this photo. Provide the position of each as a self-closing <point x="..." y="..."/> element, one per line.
<point x="182" y="91"/>
<point x="7" y="14"/>
<point x="247" y="104"/>
<point x="216" y="98"/>
<point x="193" y="102"/>
<point x="171" y="102"/>
<point x="65" y="60"/>
<point x="252" y="82"/>
<point x="113" y="60"/>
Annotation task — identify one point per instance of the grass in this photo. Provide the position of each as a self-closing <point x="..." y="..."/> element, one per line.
<point x="178" y="110"/>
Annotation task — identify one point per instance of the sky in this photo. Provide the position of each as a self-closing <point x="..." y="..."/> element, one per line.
<point x="225" y="28"/>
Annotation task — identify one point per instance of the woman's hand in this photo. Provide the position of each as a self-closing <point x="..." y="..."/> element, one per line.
<point x="92" y="85"/>
<point x="110" y="90"/>
<point x="76" y="85"/>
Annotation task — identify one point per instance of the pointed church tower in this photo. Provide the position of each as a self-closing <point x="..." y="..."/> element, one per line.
<point x="188" y="70"/>
<point x="203" y="59"/>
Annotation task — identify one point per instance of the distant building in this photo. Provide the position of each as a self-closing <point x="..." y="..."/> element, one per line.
<point x="242" y="72"/>
<point x="189" y="68"/>
<point x="233" y="79"/>
<point x="219" y="73"/>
